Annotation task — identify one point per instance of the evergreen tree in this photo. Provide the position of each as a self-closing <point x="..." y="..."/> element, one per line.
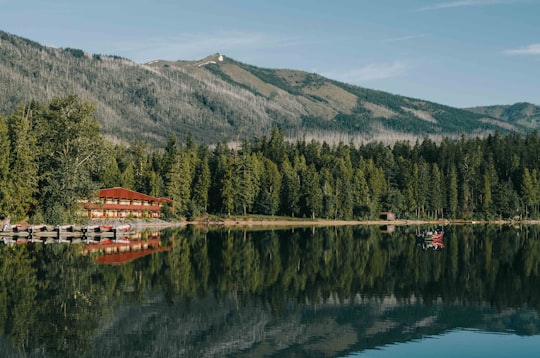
<point x="436" y="196"/>
<point x="127" y="178"/>
<point x="4" y="169"/>
<point x="138" y="151"/>
<point x="329" y="195"/>
<point x="24" y="167"/>
<point x="276" y="147"/>
<point x="170" y="157"/>
<point x="312" y="192"/>
<point x="290" y="189"/>
<point x="360" y="195"/>
<point x="344" y="196"/>
<point x="185" y="178"/>
<point x="227" y="191"/>
<point x="246" y="181"/>
<point x="490" y="183"/>
<point x="172" y="184"/>
<point x="201" y="181"/>
<point x="270" y="185"/>
<point x="154" y="183"/>
<point x="453" y="192"/>
<point x="111" y="176"/>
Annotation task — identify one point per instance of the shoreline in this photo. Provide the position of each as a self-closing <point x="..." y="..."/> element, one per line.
<point x="280" y="222"/>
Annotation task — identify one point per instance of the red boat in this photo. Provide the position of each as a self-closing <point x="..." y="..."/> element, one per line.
<point x="115" y="228"/>
<point x="430" y="239"/>
<point x="430" y="235"/>
<point x="122" y="228"/>
<point x="106" y="228"/>
<point x="433" y="245"/>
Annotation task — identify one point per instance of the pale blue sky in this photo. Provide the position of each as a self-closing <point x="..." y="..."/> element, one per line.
<point x="456" y="52"/>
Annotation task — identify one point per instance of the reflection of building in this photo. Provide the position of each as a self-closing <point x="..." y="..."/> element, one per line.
<point x="121" y="203"/>
<point x="388" y="215"/>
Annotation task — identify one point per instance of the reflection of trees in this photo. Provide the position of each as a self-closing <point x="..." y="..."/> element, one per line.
<point x="18" y="293"/>
<point x="69" y="304"/>
<point x="54" y="296"/>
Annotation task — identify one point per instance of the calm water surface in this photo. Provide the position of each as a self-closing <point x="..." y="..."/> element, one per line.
<point x="338" y="292"/>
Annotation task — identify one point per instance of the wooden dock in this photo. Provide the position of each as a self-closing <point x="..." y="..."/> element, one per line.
<point x="65" y="233"/>
<point x="112" y="245"/>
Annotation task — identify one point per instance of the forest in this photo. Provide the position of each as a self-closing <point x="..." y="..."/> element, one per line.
<point x="52" y="157"/>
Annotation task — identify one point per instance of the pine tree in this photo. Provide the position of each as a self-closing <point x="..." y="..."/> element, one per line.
<point x="453" y="192"/>
<point x="127" y="178"/>
<point x="437" y="191"/>
<point x="312" y="192"/>
<point x="268" y="198"/>
<point x="344" y="196"/>
<point x="201" y="182"/>
<point x="290" y="189"/>
<point x="246" y="181"/>
<point x="329" y="195"/>
<point x="4" y="169"/>
<point x="226" y="188"/>
<point x="361" y="195"/>
<point x="170" y="156"/>
<point x="185" y="178"/>
<point x="24" y="167"/>
<point x="138" y="151"/>
<point x="111" y="176"/>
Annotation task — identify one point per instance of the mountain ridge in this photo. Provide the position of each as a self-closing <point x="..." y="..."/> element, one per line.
<point x="524" y="113"/>
<point x="219" y="99"/>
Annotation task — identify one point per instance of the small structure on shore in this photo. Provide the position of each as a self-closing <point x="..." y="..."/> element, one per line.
<point x="387" y="215"/>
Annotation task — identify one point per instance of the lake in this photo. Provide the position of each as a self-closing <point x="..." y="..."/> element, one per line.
<point x="303" y="292"/>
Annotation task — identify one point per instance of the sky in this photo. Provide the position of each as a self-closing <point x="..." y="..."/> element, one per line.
<point x="461" y="53"/>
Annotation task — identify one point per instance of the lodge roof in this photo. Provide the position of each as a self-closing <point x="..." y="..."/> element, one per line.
<point x="123" y="193"/>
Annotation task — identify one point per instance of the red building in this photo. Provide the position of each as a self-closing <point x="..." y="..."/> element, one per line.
<point x="121" y="203"/>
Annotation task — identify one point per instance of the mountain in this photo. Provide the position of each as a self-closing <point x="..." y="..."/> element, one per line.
<point x="524" y="114"/>
<point x="219" y="99"/>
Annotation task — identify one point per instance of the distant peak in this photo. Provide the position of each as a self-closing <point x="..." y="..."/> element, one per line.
<point x="211" y="60"/>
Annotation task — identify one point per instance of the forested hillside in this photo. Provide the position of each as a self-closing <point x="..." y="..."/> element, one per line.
<point x="52" y="156"/>
<point x="524" y="114"/>
<point x="219" y="99"/>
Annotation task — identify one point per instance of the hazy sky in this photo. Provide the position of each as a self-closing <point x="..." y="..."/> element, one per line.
<point x="456" y="52"/>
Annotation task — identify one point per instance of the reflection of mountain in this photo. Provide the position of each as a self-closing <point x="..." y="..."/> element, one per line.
<point x="479" y="281"/>
<point x="301" y="292"/>
<point x="210" y="328"/>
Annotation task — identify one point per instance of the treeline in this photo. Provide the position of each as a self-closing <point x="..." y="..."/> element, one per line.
<point x="471" y="178"/>
<point x="52" y="157"/>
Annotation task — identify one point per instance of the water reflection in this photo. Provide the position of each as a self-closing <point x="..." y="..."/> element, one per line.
<point x="301" y="292"/>
<point x="460" y="343"/>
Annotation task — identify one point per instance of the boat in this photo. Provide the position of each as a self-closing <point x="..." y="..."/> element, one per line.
<point x="16" y="228"/>
<point x="122" y="240"/>
<point x="91" y="228"/>
<point x="115" y="228"/>
<point x="430" y="235"/>
<point x="106" y="228"/>
<point x="40" y="228"/>
<point x="430" y="239"/>
<point x="9" y="240"/>
<point x="436" y="244"/>
<point x="36" y="239"/>
<point x="122" y="228"/>
<point x="66" y="228"/>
